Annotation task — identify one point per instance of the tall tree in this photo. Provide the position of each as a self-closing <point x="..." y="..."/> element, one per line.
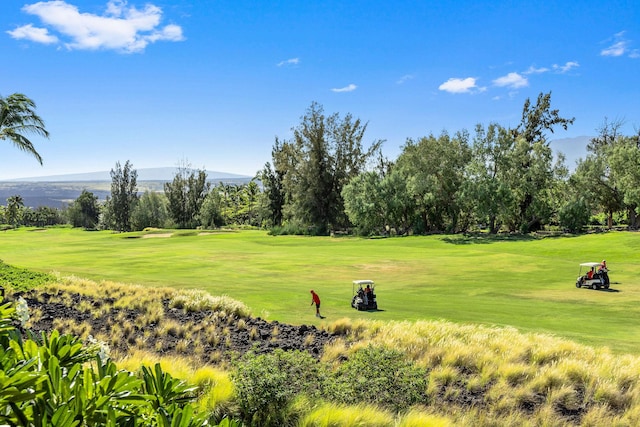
<point x="186" y="193"/>
<point x="486" y="185"/>
<point x="150" y="211"/>
<point x="273" y="195"/>
<point x="85" y="211"/>
<point x="534" y="162"/>
<point x="625" y="164"/>
<point x="434" y="170"/>
<point x="594" y="177"/>
<point x="17" y="119"/>
<point x="14" y="209"/>
<point x="124" y="194"/>
<point x="323" y="156"/>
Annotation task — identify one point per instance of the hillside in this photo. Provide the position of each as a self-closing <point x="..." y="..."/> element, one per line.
<point x="58" y="191"/>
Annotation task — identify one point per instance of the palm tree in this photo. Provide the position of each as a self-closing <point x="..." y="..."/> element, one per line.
<point x="14" y="205"/>
<point x="17" y="118"/>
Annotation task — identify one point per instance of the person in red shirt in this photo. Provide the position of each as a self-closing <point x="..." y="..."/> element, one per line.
<point x="315" y="299"/>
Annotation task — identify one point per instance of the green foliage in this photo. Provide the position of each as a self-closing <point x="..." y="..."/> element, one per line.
<point x="124" y="195"/>
<point x="313" y="168"/>
<point x="85" y="211"/>
<point x="150" y="211"/>
<point x="574" y="216"/>
<point x="13" y="212"/>
<point x="267" y="384"/>
<point x="433" y="168"/>
<point x="274" y="195"/>
<point x="42" y="216"/>
<point x="20" y="279"/>
<point x="17" y="119"/>
<point x="210" y="215"/>
<point x="59" y="381"/>
<point x="186" y="194"/>
<point x="381" y="377"/>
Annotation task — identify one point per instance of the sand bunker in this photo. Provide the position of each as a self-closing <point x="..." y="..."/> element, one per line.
<point x="146" y="236"/>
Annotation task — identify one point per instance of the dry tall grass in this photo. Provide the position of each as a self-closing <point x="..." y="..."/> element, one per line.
<point x="506" y="377"/>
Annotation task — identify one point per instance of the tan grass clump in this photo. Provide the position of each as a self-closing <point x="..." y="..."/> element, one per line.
<point x="332" y="415"/>
<point x="197" y="300"/>
<point x="415" y="418"/>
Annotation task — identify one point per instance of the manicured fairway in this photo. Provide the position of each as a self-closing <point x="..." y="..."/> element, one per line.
<point x="525" y="283"/>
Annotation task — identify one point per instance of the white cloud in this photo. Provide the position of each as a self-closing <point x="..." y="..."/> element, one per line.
<point x="292" y="61"/>
<point x="31" y="33"/>
<point x="455" y="85"/>
<point x="534" y="70"/>
<point x="121" y="28"/>
<point x="616" y="49"/>
<point x="405" y="78"/>
<point x="619" y="47"/>
<point x="566" y="67"/>
<point x="511" y="80"/>
<point x="349" y="88"/>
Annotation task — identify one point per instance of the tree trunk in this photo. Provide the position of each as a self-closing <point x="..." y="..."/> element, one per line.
<point x="633" y="219"/>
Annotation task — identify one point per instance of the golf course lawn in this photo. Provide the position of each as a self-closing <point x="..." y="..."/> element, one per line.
<point x="521" y="282"/>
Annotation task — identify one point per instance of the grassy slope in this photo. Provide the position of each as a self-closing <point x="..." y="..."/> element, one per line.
<point x="528" y="284"/>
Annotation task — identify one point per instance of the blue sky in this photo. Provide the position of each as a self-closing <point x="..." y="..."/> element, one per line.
<point x="212" y="83"/>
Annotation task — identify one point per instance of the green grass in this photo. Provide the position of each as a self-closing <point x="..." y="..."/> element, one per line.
<point x="525" y="283"/>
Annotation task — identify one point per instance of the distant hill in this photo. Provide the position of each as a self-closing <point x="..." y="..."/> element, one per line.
<point x="146" y="174"/>
<point x="573" y="149"/>
<point x="58" y="191"/>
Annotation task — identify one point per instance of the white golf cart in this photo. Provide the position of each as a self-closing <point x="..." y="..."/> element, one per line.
<point x="364" y="297"/>
<point x="591" y="275"/>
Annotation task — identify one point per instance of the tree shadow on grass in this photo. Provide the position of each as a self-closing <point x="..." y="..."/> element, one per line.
<point x="484" y="238"/>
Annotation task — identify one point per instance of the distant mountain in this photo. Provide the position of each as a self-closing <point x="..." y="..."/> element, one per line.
<point x="58" y="191"/>
<point x="573" y="148"/>
<point x="146" y="174"/>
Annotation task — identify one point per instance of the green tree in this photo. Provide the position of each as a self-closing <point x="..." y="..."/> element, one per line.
<point x="14" y="210"/>
<point x="532" y="170"/>
<point x="323" y="156"/>
<point x="185" y="194"/>
<point x="594" y="178"/>
<point x="85" y="211"/>
<point x="624" y="159"/>
<point x="273" y="196"/>
<point x="17" y="119"/>
<point x="252" y="193"/>
<point x="210" y="215"/>
<point x="574" y="215"/>
<point x="150" y="211"/>
<point x="124" y="194"/>
<point x="486" y="185"/>
<point x="364" y="203"/>
<point x="434" y="171"/>
<point x="41" y="216"/>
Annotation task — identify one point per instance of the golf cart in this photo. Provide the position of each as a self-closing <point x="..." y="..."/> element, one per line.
<point x="364" y="297"/>
<point x="592" y="275"/>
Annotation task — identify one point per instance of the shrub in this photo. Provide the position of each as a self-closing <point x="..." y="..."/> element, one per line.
<point x="267" y="384"/>
<point x="574" y="215"/>
<point x="379" y="376"/>
<point x="19" y="279"/>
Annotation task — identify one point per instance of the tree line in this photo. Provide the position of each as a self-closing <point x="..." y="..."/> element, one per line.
<point x="497" y="178"/>
<point x="325" y="179"/>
